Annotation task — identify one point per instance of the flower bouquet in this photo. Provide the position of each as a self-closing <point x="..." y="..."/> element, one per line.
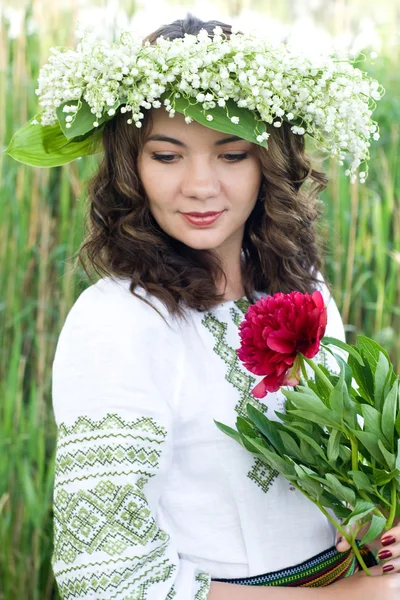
<point x="338" y="439"/>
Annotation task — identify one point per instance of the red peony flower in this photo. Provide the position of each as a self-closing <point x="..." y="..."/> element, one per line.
<point x="274" y="331"/>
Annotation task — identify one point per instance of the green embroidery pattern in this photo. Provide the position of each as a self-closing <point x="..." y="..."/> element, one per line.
<point x="261" y="474"/>
<point x="108" y="514"/>
<point x="204" y="580"/>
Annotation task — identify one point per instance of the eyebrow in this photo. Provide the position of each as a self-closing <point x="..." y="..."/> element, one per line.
<point x="164" y="138"/>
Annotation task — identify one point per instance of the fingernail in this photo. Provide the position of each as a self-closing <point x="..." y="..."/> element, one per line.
<point x="386" y="541"/>
<point x="385" y="554"/>
<point x="387" y="568"/>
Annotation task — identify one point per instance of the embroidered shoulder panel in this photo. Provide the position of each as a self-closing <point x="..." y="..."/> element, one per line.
<point x="262" y="474"/>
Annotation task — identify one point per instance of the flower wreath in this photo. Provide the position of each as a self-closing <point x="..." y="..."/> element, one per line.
<point x="238" y="86"/>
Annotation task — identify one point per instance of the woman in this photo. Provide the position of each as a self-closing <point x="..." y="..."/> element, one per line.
<point x="151" y="500"/>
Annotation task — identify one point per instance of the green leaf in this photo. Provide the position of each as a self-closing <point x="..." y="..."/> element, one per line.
<point x="245" y="427"/>
<point x="383" y="477"/>
<point x="84" y="119"/>
<point x="267" y="427"/>
<point x="363" y="378"/>
<point x="341" y="491"/>
<point x="336" y="400"/>
<point x="341" y="511"/>
<point x="370" y="349"/>
<point x="304" y="436"/>
<point x="352" y="350"/>
<point x="291" y="448"/>
<point x="305" y="399"/>
<point x="372" y="420"/>
<point x="361" y="480"/>
<point x="276" y="462"/>
<point x="248" y="127"/>
<point x="361" y="509"/>
<point x="310" y="486"/>
<point x="307" y="453"/>
<point x="334" y="445"/>
<point x="376" y="527"/>
<point x="388" y="456"/>
<point x="380" y="377"/>
<point x="370" y="442"/>
<point x="230" y="432"/>
<point x="47" y="146"/>
<point x="389" y="412"/>
<point x="315" y="418"/>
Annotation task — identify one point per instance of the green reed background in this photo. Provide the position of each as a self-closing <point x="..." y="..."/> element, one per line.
<point x="41" y="227"/>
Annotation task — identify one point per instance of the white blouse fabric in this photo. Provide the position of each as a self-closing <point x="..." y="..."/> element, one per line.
<point x="151" y="499"/>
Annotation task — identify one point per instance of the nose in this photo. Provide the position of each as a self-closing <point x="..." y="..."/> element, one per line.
<point x="200" y="179"/>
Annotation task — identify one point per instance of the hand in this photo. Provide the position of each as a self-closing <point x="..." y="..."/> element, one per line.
<point x="388" y="545"/>
<point x="362" y="587"/>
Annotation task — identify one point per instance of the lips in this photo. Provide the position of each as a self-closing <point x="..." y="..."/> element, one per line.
<point x="203" y="215"/>
<point x="202" y="221"/>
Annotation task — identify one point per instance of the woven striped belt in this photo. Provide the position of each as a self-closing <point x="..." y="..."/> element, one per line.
<point x="320" y="570"/>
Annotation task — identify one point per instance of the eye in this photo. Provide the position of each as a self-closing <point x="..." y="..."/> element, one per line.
<point x="169" y="158"/>
<point x="236" y="157"/>
<point x="163" y="157"/>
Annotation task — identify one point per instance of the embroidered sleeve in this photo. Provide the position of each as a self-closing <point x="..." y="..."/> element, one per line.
<point x="113" y="385"/>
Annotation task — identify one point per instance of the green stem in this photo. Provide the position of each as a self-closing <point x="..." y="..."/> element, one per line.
<point x="303" y="368"/>
<point x="354" y="453"/>
<point x="318" y="371"/>
<point x="352" y="541"/>
<point x="393" y="503"/>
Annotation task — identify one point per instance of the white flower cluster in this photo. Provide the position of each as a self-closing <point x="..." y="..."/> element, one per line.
<point x="324" y="96"/>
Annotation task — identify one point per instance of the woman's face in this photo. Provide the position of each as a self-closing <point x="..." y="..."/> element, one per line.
<point x="198" y="169"/>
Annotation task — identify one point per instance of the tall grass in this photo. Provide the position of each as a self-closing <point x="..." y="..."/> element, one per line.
<point x="41" y="227"/>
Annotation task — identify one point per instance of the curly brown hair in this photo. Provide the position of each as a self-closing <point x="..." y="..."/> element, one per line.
<point x="280" y="244"/>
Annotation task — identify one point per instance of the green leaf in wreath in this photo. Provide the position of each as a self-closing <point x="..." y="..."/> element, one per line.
<point x="47" y="146"/>
<point x="248" y="128"/>
<point x="376" y="527"/>
<point x="83" y="121"/>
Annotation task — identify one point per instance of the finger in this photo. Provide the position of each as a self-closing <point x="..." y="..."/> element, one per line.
<point x="391" y="536"/>
<point x="342" y="544"/>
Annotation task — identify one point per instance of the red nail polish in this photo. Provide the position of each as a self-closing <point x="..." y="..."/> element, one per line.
<point x="386" y="541"/>
<point x="387" y="568"/>
<point x="385" y="554"/>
